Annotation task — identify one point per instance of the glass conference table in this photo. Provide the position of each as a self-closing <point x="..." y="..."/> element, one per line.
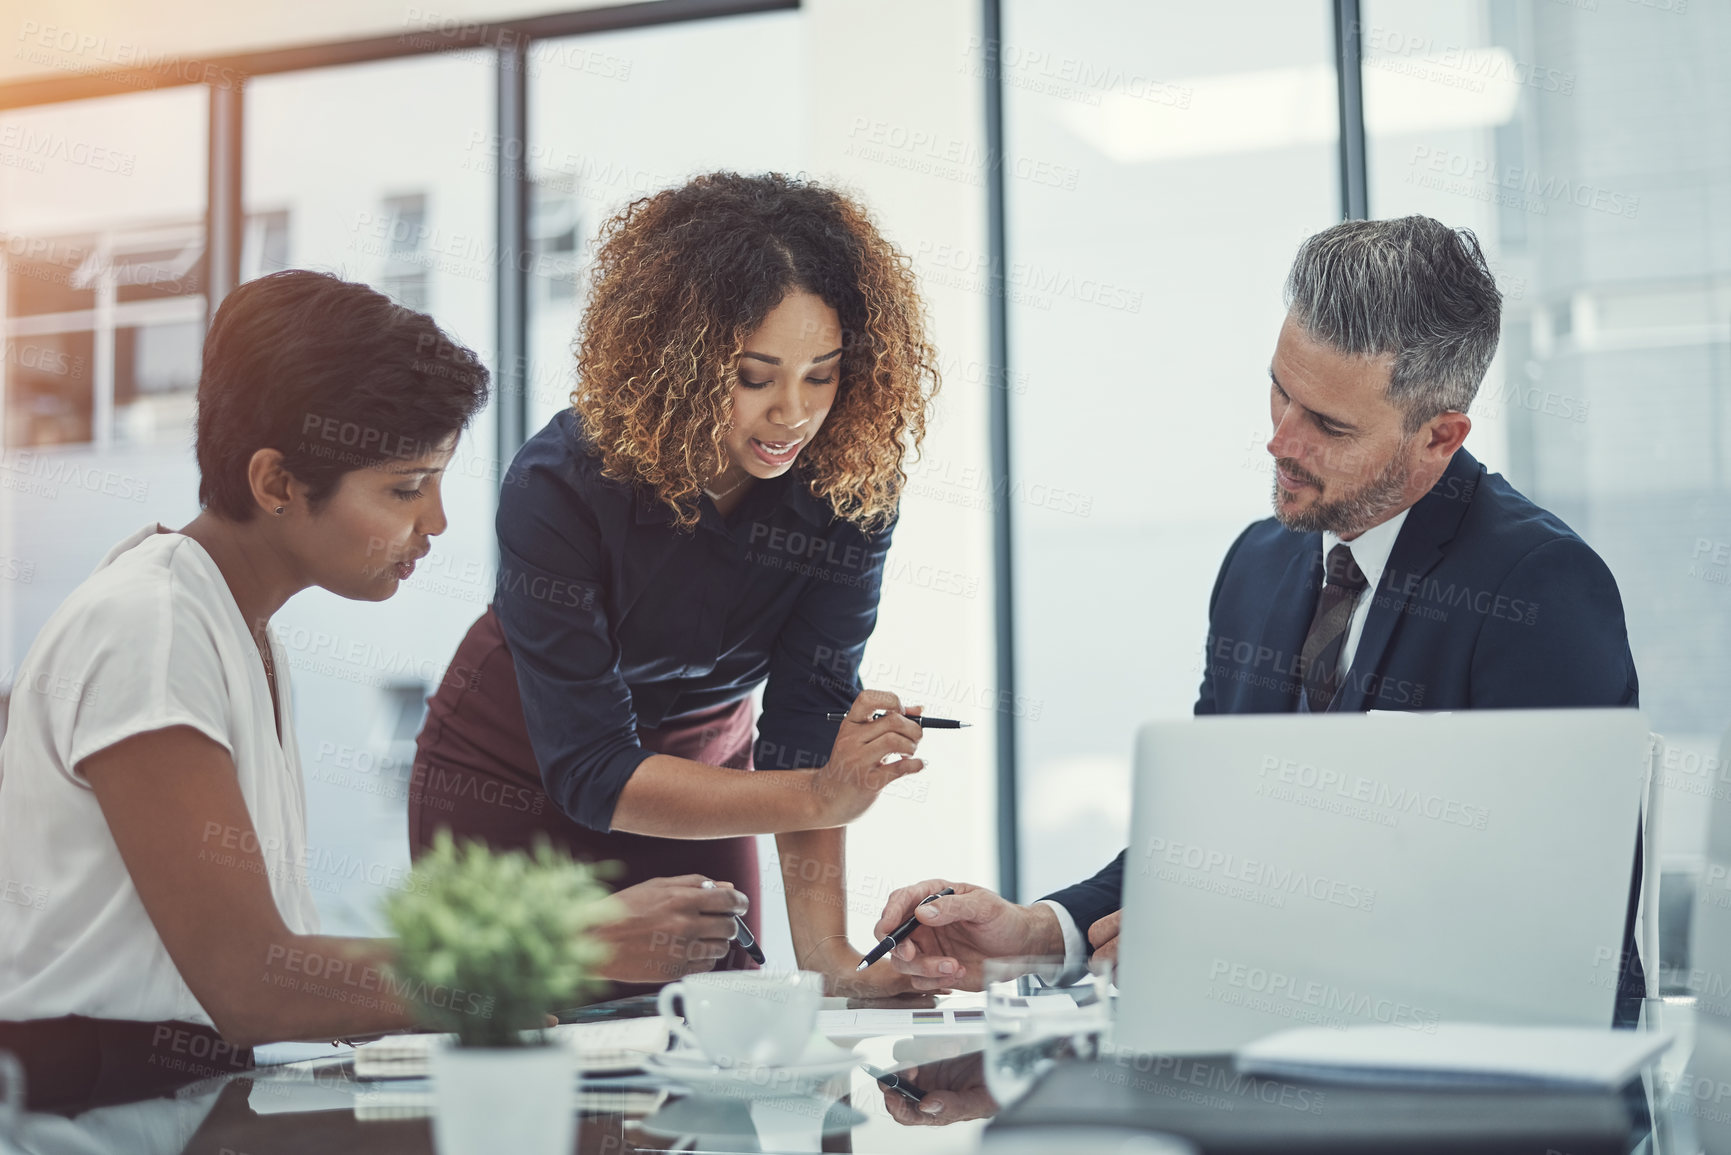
<point x="319" y="1106"/>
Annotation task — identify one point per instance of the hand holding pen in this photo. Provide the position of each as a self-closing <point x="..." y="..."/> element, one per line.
<point x="876" y="729"/>
<point x="900" y="934"/>
<point x="742" y="933"/>
<point x="665" y="928"/>
<point x="958" y="932"/>
<point x="948" y="1091"/>
<point x="924" y="722"/>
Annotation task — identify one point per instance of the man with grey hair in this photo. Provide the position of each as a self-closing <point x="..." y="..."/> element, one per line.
<point x="1396" y="572"/>
<point x="1395" y="322"/>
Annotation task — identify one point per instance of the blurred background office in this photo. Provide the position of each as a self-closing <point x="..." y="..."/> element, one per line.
<point x="1100" y="197"/>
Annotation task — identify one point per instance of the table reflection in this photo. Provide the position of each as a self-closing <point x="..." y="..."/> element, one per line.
<point x="320" y="1107"/>
<point x="955" y="1092"/>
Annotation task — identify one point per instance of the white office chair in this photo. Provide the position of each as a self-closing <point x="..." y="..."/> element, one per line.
<point x="1647" y="911"/>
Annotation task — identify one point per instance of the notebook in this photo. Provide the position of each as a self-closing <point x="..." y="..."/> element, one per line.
<point x="601" y="1048"/>
<point x="1456" y="1054"/>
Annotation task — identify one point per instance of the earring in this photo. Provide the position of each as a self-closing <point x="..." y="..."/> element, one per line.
<point x="279" y="510"/>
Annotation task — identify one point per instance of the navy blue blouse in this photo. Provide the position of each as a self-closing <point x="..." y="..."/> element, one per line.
<point x="615" y="619"/>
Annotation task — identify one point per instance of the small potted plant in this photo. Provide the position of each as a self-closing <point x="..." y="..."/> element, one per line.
<point x="488" y="945"/>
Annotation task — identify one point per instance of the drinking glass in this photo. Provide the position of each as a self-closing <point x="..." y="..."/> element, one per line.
<point x="1036" y="1017"/>
<point x="11" y="1095"/>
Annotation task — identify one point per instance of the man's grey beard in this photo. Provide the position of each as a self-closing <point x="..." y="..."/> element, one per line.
<point x="1351" y="515"/>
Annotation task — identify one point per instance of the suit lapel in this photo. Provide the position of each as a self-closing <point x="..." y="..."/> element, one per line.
<point x="1430" y="526"/>
<point x="1291" y="603"/>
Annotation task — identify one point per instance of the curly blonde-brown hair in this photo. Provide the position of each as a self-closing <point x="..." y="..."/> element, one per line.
<point x="683" y="277"/>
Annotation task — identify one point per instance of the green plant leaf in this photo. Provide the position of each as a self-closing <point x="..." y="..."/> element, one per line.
<point x="489" y="943"/>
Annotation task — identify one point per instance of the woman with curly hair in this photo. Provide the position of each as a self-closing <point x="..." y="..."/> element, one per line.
<point x="711" y="515"/>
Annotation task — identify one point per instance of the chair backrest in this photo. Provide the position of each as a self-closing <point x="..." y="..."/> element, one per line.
<point x="1652" y="810"/>
<point x="1709" y="976"/>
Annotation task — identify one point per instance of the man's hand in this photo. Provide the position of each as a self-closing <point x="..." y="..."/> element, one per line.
<point x="955" y="1091"/>
<point x="849" y="782"/>
<point x="1103" y="937"/>
<point x="671" y="927"/>
<point x="960" y="931"/>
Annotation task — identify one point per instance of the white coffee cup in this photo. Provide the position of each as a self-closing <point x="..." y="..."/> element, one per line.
<point x="746" y="1018"/>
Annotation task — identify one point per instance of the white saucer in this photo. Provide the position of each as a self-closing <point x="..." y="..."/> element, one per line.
<point x="822" y="1060"/>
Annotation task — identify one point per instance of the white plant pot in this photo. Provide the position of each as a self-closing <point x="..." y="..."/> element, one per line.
<point x="489" y="1100"/>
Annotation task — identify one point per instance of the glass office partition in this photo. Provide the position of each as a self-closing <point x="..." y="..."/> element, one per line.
<point x="618" y="116"/>
<point x="1162" y="163"/>
<point x="369" y="172"/>
<point x="1585" y="144"/>
<point x="101" y="314"/>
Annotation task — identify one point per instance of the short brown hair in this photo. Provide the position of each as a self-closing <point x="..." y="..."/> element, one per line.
<point x="334" y="375"/>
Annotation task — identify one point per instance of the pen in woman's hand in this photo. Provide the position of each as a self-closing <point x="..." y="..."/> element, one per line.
<point x="742" y="933"/>
<point x="924" y="721"/>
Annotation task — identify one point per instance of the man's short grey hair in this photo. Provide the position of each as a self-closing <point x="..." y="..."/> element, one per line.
<point x="1412" y="287"/>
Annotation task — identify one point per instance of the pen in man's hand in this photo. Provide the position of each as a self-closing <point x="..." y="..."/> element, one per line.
<point x="920" y="719"/>
<point x="896" y="1083"/>
<point x="890" y="941"/>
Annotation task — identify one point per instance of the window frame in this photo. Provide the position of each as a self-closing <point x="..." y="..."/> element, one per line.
<point x="226" y="226"/>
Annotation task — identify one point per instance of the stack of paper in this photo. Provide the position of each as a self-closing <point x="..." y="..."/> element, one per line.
<point x="1456" y="1054"/>
<point x="601" y="1047"/>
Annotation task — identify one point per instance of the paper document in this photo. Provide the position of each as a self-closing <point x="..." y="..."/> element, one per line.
<point x="605" y="1046"/>
<point x="966" y="1019"/>
<point x="282" y="1054"/>
<point x="415" y="1099"/>
<point x="1456" y="1054"/>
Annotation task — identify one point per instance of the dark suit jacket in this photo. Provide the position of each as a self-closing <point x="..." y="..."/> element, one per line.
<point x="1488" y="602"/>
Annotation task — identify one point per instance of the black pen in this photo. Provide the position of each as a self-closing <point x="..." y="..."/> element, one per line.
<point x="893" y="938"/>
<point x="895" y="1083"/>
<point x="743" y="936"/>
<point x="921" y="719"/>
<point x="742" y="933"/>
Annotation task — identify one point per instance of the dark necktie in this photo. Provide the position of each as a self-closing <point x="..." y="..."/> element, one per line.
<point x="1343" y="583"/>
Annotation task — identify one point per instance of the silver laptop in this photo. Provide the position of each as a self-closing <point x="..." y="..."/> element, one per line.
<point x="1404" y="869"/>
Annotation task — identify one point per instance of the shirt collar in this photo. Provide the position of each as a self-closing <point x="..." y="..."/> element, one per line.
<point x="791" y="490"/>
<point x="1371" y="548"/>
<point x="797" y="495"/>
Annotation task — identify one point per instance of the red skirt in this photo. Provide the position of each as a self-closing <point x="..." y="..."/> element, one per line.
<point x="476" y="776"/>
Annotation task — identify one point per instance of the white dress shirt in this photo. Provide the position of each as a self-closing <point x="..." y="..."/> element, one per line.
<point x="1076" y="946"/>
<point x="1370" y="551"/>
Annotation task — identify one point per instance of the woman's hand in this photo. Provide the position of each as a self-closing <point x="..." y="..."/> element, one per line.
<point x="849" y="782"/>
<point x="838" y="962"/>
<point x="672" y="927"/>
